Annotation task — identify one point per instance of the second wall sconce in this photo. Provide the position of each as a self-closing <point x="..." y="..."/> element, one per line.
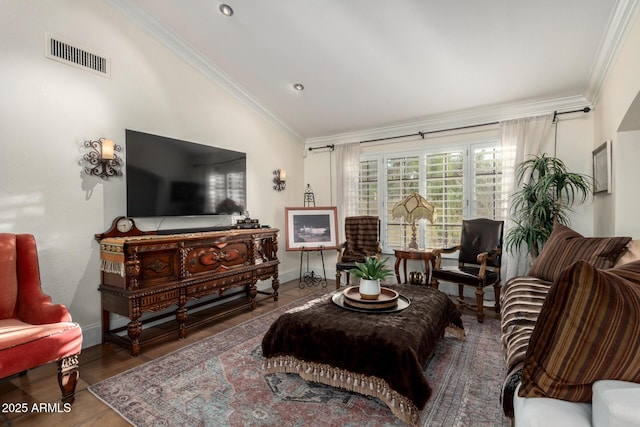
<point x="279" y="179"/>
<point x="102" y="158"/>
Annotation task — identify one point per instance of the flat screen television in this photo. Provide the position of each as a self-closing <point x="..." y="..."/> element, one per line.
<point x="171" y="177"/>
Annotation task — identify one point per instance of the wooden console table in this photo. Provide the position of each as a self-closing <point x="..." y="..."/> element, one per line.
<point x="420" y="254"/>
<point x="149" y="273"/>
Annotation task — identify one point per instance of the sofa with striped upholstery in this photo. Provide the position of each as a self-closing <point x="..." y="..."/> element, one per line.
<point x="566" y="333"/>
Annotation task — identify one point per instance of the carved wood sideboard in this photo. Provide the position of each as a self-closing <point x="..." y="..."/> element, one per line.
<point x="150" y="273"/>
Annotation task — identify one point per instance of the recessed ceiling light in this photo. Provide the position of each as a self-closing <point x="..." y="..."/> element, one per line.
<point x="226" y="10"/>
<point x="298" y="86"/>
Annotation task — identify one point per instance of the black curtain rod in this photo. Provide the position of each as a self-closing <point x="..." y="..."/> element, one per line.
<point x="325" y="146"/>
<point x="556" y="114"/>
<point x="422" y="134"/>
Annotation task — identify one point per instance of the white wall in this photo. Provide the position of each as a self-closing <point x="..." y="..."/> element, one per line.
<point x="616" y="213"/>
<point x="48" y="109"/>
<point x="575" y="136"/>
<point x="627" y="203"/>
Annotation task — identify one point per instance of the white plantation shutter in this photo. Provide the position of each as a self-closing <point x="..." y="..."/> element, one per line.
<point x="488" y="194"/>
<point x="402" y="179"/>
<point x="445" y="189"/>
<point x="368" y="188"/>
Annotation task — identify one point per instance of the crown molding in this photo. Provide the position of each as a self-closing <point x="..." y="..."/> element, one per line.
<point x="619" y="26"/>
<point x="188" y="54"/>
<point x="452" y="121"/>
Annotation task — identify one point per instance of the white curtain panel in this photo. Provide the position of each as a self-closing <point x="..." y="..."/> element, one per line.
<point x="347" y="177"/>
<point x="520" y="139"/>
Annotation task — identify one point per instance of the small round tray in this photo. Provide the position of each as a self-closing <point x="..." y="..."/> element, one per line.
<point x="388" y="298"/>
<point x="402" y="303"/>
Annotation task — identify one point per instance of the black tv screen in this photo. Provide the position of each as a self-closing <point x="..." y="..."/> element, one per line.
<point x="170" y="177"/>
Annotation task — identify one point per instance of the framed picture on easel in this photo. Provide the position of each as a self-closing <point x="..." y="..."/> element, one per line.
<point x="602" y="169"/>
<point x="311" y="228"/>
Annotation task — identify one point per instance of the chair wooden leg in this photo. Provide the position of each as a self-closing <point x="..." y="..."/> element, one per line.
<point x="461" y="291"/>
<point x="68" y="377"/>
<point x="496" y="291"/>
<point x="480" y="303"/>
<point x="338" y="274"/>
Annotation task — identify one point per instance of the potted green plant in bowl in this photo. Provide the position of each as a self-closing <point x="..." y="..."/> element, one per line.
<point x="370" y="272"/>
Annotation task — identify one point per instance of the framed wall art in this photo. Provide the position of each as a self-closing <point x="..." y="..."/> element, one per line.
<point x="311" y="228"/>
<point x="602" y="169"/>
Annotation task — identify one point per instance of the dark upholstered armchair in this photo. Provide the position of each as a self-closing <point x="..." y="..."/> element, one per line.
<point x="33" y="331"/>
<point x="362" y="239"/>
<point x="479" y="259"/>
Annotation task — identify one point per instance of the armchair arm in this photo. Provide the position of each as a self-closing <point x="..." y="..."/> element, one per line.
<point x="484" y="256"/>
<point x="437" y="254"/>
<point x="341" y="248"/>
<point x="482" y="260"/>
<point x="44" y="311"/>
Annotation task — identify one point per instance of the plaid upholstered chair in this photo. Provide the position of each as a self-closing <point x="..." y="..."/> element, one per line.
<point x="362" y="239"/>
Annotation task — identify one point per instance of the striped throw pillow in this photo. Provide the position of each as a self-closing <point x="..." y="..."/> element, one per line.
<point x="588" y="330"/>
<point x="565" y="246"/>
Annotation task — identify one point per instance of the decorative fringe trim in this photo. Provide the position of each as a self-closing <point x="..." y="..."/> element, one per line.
<point x="112" y="267"/>
<point x="368" y="385"/>
<point x="456" y="331"/>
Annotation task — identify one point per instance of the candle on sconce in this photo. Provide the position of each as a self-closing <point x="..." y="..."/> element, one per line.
<point x="107" y="149"/>
<point x="283" y="175"/>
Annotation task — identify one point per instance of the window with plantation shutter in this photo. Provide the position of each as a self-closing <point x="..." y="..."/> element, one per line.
<point x="463" y="182"/>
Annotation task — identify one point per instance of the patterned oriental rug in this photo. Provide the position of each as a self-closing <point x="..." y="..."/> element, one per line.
<point x="218" y="381"/>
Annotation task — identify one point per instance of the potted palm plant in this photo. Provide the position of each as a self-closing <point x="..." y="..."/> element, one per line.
<point x="546" y="198"/>
<point x="370" y="272"/>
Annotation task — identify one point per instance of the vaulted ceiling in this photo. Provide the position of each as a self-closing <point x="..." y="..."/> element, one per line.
<point x="372" y="65"/>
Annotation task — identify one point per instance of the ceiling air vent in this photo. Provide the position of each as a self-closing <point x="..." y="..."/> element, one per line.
<point x="63" y="51"/>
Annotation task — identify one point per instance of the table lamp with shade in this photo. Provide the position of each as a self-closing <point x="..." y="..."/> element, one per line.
<point x="414" y="207"/>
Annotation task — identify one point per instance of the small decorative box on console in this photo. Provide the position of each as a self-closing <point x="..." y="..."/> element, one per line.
<point x="246" y="223"/>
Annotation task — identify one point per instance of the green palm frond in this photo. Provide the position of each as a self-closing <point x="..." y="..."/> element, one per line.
<point x="546" y="198"/>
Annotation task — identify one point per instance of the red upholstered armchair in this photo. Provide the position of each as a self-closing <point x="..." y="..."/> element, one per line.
<point x="33" y="331"/>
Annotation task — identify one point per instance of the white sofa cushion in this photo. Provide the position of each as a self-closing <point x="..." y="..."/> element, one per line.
<point x="616" y="404"/>
<point x="547" y="412"/>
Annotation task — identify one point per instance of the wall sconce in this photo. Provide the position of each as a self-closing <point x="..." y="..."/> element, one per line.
<point x="102" y="158"/>
<point x="279" y="180"/>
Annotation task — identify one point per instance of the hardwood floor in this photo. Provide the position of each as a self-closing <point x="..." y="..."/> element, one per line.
<point x="97" y="363"/>
<point x="40" y="385"/>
